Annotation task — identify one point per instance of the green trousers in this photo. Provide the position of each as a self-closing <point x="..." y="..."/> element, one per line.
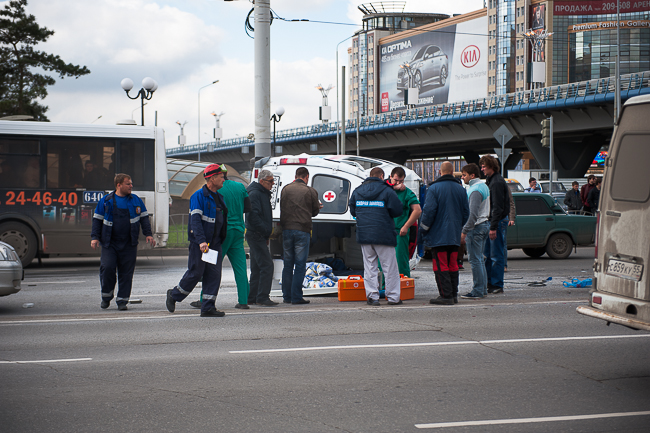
<point x="233" y="247"/>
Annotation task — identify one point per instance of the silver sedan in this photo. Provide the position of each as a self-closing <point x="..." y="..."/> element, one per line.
<point x="11" y="270"/>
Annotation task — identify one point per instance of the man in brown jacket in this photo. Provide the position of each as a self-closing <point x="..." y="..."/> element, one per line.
<point x="298" y="204"/>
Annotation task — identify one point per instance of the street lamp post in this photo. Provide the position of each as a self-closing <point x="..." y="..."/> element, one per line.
<point x="149" y="85"/>
<point x="134" y="110"/>
<point x="276" y="118"/>
<point x="199" y="113"/>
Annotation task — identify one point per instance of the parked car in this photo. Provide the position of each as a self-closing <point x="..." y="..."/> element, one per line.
<point x="429" y="66"/>
<point x="543" y="227"/>
<point x="621" y="285"/>
<point x="11" y="270"/>
<point x="558" y="194"/>
<point x="514" y="185"/>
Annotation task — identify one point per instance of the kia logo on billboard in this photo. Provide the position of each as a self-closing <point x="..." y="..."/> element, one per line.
<point x="384" y="102"/>
<point x="470" y="55"/>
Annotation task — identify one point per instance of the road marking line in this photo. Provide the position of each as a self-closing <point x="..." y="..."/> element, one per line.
<point x="439" y="343"/>
<point x="43" y="361"/>
<point x="54" y="282"/>
<point x="531" y="420"/>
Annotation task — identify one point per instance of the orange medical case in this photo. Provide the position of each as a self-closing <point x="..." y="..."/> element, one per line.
<point x="352" y="289"/>
<point x="407" y="288"/>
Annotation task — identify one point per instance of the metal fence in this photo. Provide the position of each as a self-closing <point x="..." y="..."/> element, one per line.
<point x="178" y="231"/>
<point x="565" y="95"/>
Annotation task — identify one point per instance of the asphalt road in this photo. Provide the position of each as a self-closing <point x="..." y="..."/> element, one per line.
<point x="523" y="361"/>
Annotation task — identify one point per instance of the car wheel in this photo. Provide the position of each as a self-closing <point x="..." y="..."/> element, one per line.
<point x="534" y="252"/>
<point x="20" y="237"/>
<point x="443" y="76"/>
<point x="417" y="81"/>
<point x="559" y="246"/>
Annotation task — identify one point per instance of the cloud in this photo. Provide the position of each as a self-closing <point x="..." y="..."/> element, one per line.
<point x="119" y="38"/>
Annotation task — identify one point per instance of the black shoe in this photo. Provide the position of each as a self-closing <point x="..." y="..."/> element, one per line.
<point x="455" y="299"/>
<point x="471" y="295"/>
<point x="395" y="303"/>
<point x="302" y="301"/>
<point x="285" y="301"/>
<point x="169" y="302"/>
<point x="442" y="301"/>
<point x="105" y="304"/>
<point x="242" y="306"/>
<point x="496" y="290"/>
<point x="212" y="312"/>
<point x="122" y="307"/>
<point x="268" y="303"/>
<point x="490" y="288"/>
<point x="373" y="302"/>
<point x="196" y="304"/>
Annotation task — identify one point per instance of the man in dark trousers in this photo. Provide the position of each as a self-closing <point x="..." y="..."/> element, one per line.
<point x="499" y="210"/>
<point x="572" y="198"/>
<point x="445" y="212"/>
<point x="593" y="198"/>
<point x="207" y="230"/>
<point x="584" y="192"/>
<point x="298" y="205"/>
<point x="259" y="226"/>
<point x="116" y="226"/>
<point x="375" y="205"/>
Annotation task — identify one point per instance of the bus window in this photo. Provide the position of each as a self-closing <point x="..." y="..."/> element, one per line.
<point x="80" y="164"/>
<point x="19" y="163"/>
<point x="137" y="160"/>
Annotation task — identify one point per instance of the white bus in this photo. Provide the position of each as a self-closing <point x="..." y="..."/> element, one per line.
<point x="52" y="175"/>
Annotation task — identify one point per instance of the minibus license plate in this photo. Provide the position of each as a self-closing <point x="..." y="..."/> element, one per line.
<point x="623" y="269"/>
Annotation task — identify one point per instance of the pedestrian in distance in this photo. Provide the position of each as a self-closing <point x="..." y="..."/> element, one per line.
<point x="374" y="204"/>
<point x="446" y="211"/>
<point x="116" y="227"/>
<point x="411" y="212"/>
<point x="572" y="198"/>
<point x="475" y="231"/>
<point x="259" y="227"/>
<point x="594" y="195"/>
<point x="533" y="186"/>
<point x="584" y="193"/>
<point x="499" y="210"/>
<point x="207" y="229"/>
<point x="237" y="202"/>
<point x="298" y="205"/>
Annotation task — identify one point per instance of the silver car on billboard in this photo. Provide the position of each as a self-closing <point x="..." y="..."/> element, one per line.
<point x="428" y="67"/>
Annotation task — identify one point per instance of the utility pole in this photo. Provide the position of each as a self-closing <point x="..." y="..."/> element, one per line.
<point x="262" y="78"/>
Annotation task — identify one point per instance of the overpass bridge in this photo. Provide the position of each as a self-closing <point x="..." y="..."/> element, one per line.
<point x="582" y="114"/>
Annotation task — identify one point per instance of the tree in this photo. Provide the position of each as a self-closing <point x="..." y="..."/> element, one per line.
<point x="21" y="88"/>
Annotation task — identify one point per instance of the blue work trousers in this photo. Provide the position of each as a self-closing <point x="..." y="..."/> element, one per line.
<point x="296" y="249"/>
<point x="197" y="269"/>
<point x="120" y="258"/>
<point x="475" y="241"/>
<point x="495" y="255"/>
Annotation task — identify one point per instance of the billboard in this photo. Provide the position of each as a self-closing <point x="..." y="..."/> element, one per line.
<point x="448" y="64"/>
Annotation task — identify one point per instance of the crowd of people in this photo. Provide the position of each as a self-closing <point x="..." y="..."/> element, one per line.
<point x="223" y="213"/>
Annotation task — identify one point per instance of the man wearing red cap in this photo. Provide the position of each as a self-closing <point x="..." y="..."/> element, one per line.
<point x="207" y="230"/>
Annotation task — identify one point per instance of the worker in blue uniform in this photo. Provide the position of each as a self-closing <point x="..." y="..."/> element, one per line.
<point x="116" y="227"/>
<point x="207" y="230"/>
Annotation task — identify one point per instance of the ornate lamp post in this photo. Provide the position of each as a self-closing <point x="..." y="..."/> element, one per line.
<point x="149" y="85"/>
<point x="276" y="118"/>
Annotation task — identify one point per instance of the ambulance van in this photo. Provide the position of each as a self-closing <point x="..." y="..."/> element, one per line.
<point x="334" y="177"/>
<point x="621" y="286"/>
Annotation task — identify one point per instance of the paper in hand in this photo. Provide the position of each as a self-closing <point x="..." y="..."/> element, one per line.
<point x="210" y="257"/>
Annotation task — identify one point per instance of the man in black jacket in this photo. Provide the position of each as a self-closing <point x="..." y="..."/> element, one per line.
<point x="259" y="225"/>
<point x="594" y="195"/>
<point x="572" y="198"/>
<point x="499" y="210"/>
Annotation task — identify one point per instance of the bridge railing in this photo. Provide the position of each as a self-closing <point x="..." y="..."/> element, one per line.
<point x="598" y="88"/>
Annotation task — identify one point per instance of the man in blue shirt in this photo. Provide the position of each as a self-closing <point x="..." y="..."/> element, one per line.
<point x="533" y="186"/>
<point x="116" y="227"/>
<point x="207" y="230"/>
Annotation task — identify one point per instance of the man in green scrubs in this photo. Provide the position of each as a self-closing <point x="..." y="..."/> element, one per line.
<point x="410" y="213"/>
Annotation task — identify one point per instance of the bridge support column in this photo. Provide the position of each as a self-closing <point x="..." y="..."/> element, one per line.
<point x="572" y="159"/>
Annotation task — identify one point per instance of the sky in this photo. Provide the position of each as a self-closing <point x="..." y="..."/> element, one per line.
<point x="187" y="44"/>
